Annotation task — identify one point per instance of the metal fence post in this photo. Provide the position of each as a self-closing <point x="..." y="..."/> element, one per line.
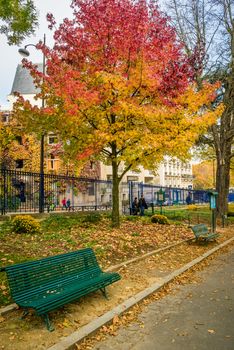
<point x="130" y="194"/>
<point x="152" y="205"/>
<point x="3" y="209"/>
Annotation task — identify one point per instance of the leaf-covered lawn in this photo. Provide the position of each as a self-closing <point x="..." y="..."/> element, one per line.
<point x="61" y="234"/>
<point x="131" y="240"/>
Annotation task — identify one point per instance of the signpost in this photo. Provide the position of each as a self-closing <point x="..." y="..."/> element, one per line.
<point x="213" y="197"/>
<point x="161" y="198"/>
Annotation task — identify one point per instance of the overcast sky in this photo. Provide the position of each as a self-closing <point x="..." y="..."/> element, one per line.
<point x="10" y="57"/>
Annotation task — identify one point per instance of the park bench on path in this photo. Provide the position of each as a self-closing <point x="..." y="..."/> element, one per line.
<point x="203" y="234"/>
<point x="49" y="283"/>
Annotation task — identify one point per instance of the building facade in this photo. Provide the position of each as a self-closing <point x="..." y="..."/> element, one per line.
<point x="171" y="172"/>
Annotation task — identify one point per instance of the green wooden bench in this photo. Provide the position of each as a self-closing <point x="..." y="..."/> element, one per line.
<point x="49" y="283"/>
<point x="202" y="233"/>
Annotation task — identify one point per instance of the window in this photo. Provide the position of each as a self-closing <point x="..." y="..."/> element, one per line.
<point x="5" y="117"/>
<point x="19" y="140"/>
<point x="148" y="180"/>
<point x="19" y="163"/>
<point x="52" y="139"/>
<point x="91" y="189"/>
<point x="52" y="161"/>
<point x="132" y="178"/>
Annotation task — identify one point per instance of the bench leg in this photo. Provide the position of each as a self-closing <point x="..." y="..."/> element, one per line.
<point x="103" y="290"/>
<point x="25" y="313"/>
<point x="49" y="326"/>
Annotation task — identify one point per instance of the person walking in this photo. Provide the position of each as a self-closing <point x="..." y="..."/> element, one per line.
<point x="142" y="205"/>
<point x="64" y="206"/>
<point x="52" y="206"/>
<point x="68" y="204"/>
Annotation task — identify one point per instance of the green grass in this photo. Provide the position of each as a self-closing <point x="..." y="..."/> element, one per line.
<point x="202" y="214"/>
<point x="59" y="223"/>
<point x="65" y="223"/>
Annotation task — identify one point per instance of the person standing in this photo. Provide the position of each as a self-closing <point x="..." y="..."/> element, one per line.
<point x="188" y="199"/>
<point x="142" y="205"/>
<point x="135" y="206"/>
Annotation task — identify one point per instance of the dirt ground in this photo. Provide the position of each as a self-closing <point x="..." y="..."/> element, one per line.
<point x="31" y="333"/>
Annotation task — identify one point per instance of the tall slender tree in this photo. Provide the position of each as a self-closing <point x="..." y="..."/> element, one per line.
<point x="18" y="19"/>
<point x="119" y="87"/>
<point x="207" y="30"/>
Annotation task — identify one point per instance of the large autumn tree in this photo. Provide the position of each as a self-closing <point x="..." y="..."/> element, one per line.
<point x="119" y="87"/>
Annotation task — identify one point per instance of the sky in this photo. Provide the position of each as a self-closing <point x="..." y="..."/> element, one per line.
<point x="10" y="57"/>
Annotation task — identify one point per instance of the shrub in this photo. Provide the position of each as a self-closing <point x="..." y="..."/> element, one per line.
<point x="192" y="207"/>
<point x="159" y="219"/>
<point x="25" y="224"/>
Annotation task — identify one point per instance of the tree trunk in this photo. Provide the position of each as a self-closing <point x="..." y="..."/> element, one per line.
<point x="223" y="149"/>
<point x="222" y="187"/>
<point x="115" y="189"/>
<point x="224" y="138"/>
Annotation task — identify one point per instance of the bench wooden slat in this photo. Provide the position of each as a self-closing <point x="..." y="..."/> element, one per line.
<point x="51" y="268"/>
<point x="55" y="297"/>
<point x="51" y="282"/>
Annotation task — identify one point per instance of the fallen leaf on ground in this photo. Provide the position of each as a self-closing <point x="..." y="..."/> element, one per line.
<point x="211" y="331"/>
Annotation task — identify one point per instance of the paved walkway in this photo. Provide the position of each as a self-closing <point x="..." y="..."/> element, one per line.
<point x="199" y="317"/>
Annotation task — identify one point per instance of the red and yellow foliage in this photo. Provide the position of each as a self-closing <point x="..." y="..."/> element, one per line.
<point x="119" y="86"/>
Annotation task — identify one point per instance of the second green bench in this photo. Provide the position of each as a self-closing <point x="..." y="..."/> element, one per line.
<point x="202" y="233"/>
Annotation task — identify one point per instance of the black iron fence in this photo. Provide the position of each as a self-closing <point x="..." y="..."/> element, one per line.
<point x="20" y="192"/>
<point x="172" y="195"/>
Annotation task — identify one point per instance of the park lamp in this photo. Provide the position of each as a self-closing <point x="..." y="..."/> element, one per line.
<point x="25" y="53"/>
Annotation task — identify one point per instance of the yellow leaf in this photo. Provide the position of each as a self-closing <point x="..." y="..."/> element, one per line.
<point x="115" y="319"/>
<point x="211" y="331"/>
<point x="66" y="323"/>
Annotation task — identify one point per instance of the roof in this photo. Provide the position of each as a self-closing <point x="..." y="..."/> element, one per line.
<point x="23" y="82"/>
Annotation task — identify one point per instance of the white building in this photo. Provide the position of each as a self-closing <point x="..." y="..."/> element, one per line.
<point x="170" y="173"/>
